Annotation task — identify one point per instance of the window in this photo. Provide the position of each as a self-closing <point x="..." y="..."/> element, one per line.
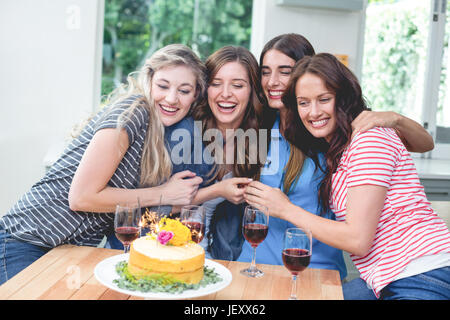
<point x="405" y="42"/>
<point x="135" y="29"/>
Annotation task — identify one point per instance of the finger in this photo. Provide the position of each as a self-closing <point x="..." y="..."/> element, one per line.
<point x="242" y="180"/>
<point x="255" y="202"/>
<point x="253" y="191"/>
<point x="258" y="185"/>
<point x="194" y="181"/>
<point x="360" y="128"/>
<point x="197" y="180"/>
<point x="184" y="174"/>
<point x="251" y="199"/>
<point x="360" y="119"/>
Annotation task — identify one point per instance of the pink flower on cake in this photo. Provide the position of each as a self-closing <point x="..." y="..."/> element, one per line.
<point x="164" y="236"/>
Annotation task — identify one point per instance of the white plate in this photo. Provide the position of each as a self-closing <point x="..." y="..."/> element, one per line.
<point x="105" y="272"/>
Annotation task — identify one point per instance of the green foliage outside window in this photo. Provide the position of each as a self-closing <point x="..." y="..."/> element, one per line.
<point x="135" y="29"/>
<point x="394" y="56"/>
<point x="395" y="53"/>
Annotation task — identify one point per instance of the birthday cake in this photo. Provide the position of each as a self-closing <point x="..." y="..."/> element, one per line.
<point x="169" y="252"/>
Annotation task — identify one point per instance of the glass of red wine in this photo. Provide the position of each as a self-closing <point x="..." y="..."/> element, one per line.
<point x="296" y="254"/>
<point x="193" y="217"/>
<point x="127" y="224"/>
<point x="255" y="225"/>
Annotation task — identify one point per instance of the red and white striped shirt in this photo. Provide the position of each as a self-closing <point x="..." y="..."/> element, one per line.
<point x="408" y="227"/>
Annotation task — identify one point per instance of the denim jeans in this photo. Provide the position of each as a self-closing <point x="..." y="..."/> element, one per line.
<point x="431" y="285"/>
<point x="16" y="255"/>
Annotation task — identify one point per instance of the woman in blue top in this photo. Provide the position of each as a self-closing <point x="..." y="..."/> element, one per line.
<point x="288" y="169"/>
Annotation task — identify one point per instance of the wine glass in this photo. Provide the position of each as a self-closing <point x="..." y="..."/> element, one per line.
<point x="255" y="225"/>
<point x="193" y="217"/>
<point x="296" y="254"/>
<point x="127" y="224"/>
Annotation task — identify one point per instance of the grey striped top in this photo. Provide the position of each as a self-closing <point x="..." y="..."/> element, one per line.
<point x="42" y="216"/>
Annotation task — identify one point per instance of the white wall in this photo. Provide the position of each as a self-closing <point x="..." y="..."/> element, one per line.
<point x="50" y="67"/>
<point x="333" y="31"/>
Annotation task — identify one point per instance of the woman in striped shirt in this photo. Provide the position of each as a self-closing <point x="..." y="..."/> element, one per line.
<point x="384" y="220"/>
<point x="120" y="156"/>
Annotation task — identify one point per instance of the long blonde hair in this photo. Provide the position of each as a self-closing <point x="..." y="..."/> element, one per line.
<point x="156" y="165"/>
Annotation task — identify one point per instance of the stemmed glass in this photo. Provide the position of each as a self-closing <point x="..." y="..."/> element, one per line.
<point x="296" y="254"/>
<point x="127" y="224"/>
<point x="255" y="225"/>
<point x="193" y="217"/>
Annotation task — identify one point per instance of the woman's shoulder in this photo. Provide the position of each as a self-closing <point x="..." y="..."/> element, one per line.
<point x="377" y="140"/>
<point x="130" y="109"/>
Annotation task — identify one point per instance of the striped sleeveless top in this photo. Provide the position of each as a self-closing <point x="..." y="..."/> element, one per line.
<point x="408" y="227"/>
<point x="42" y="215"/>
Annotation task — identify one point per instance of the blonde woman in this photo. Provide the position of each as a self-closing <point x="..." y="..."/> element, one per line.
<point x="119" y="156"/>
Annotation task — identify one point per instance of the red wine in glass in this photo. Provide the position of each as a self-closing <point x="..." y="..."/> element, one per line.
<point x="197" y="230"/>
<point x="127" y="223"/>
<point x="296" y="260"/>
<point x="127" y="234"/>
<point x="255" y="233"/>
<point x="296" y="254"/>
<point x="255" y="226"/>
<point x="193" y="217"/>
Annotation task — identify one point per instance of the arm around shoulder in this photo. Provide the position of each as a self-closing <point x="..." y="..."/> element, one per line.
<point x="413" y="135"/>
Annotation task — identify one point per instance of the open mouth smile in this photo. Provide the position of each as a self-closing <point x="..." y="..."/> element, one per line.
<point x="275" y="94"/>
<point x="319" y="123"/>
<point x="226" y="107"/>
<point x="168" y="110"/>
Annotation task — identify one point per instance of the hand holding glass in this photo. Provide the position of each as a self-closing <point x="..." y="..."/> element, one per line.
<point x="127" y="222"/>
<point x="296" y="254"/>
<point x="193" y="217"/>
<point x="255" y="226"/>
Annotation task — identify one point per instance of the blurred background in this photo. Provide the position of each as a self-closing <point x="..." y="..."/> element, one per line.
<point x="60" y="58"/>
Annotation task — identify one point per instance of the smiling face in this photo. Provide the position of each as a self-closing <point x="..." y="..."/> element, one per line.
<point x="316" y="106"/>
<point x="229" y="94"/>
<point x="275" y="74"/>
<point x="173" y="90"/>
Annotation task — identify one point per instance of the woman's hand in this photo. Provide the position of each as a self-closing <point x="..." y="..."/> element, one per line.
<point x="181" y="188"/>
<point x="367" y="120"/>
<point x="258" y="194"/>
<point x="233" y="189"/>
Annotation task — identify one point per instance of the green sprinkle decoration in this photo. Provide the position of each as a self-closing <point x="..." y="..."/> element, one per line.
<point x="161" y="283"/>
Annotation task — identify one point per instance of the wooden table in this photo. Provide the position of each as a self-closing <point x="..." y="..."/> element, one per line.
<point x="67" y="273"/>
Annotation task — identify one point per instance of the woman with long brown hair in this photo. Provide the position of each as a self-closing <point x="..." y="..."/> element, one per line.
<point x="288" y="168"/>
<point x="397" y="242"/>
<point x="233" y="107"/>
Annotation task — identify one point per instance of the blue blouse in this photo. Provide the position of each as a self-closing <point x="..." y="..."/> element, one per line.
<point x="303" y="194"/>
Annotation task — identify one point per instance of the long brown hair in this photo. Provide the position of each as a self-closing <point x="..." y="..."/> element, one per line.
<point x="295" y="46"/>
<point x="252" y="116"/>
<point x="349" y="103"/>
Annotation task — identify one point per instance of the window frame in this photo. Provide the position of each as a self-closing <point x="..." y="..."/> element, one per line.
<point x="435" y="49"/>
